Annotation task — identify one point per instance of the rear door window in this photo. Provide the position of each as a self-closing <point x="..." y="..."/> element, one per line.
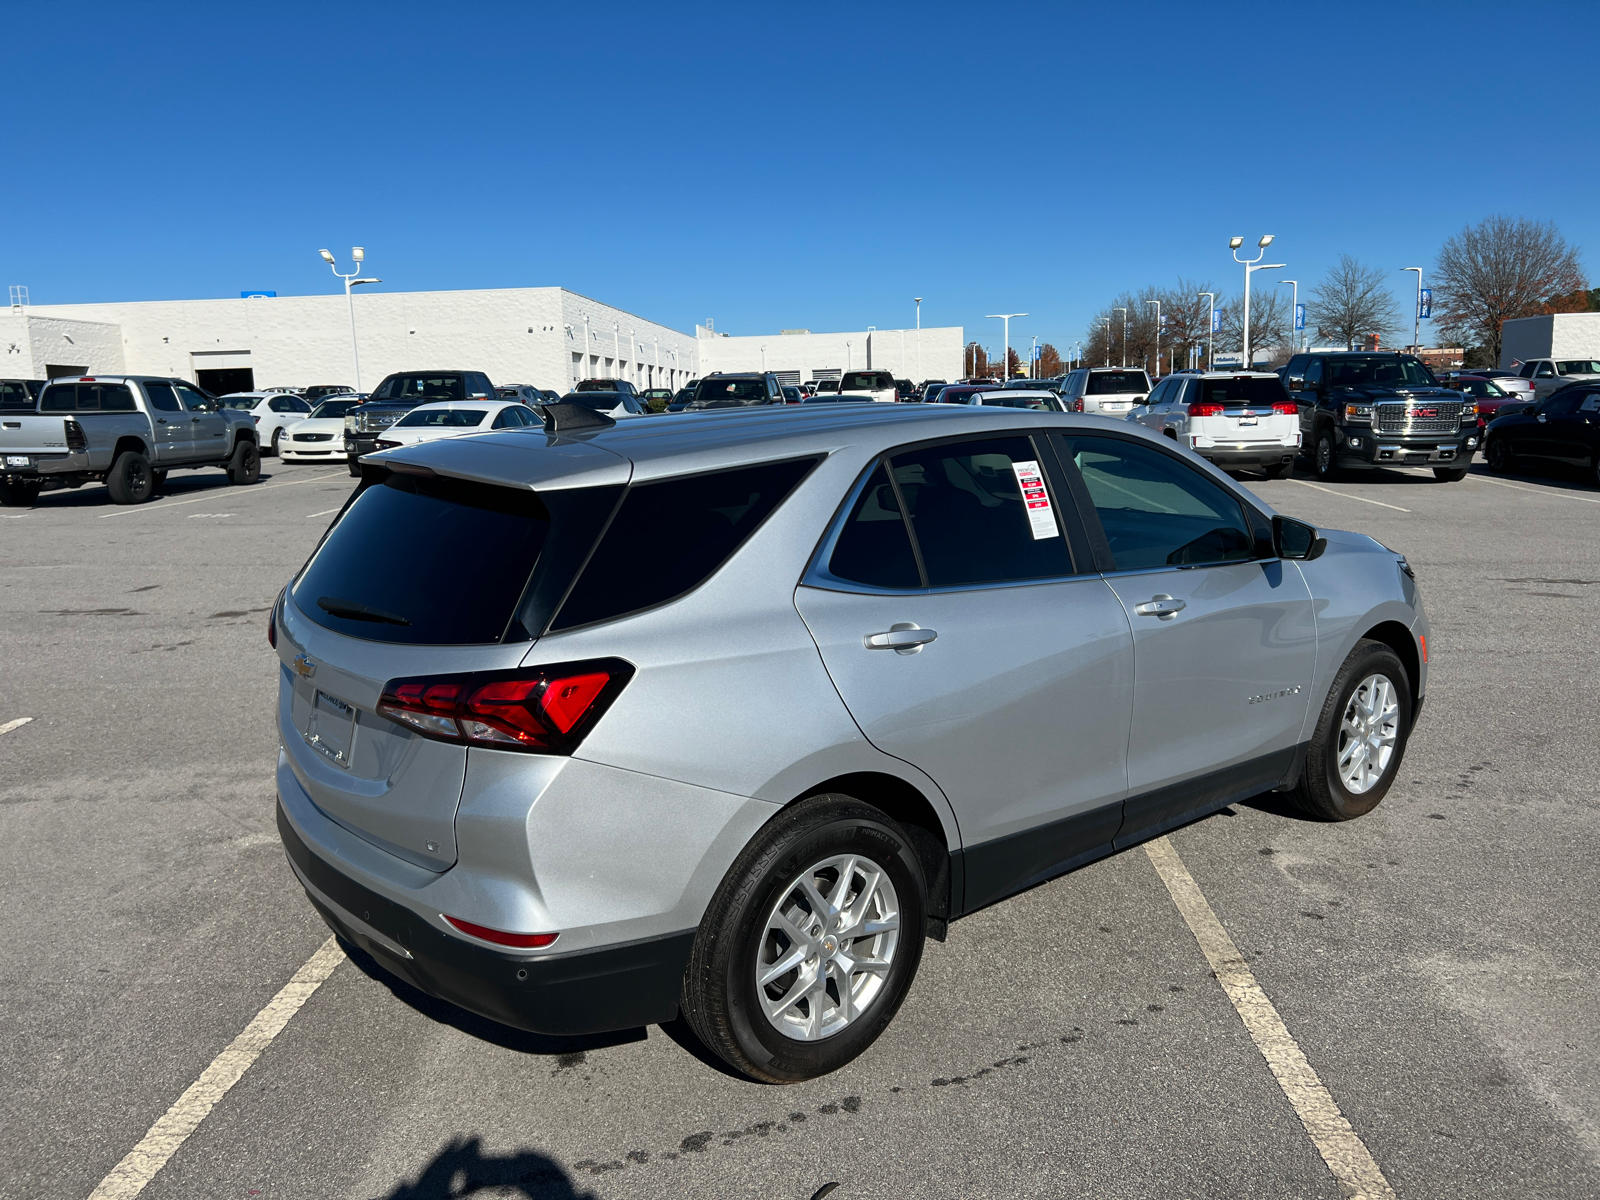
<point x="670" y="536"/>
<point x="981" y="512"/>
<point x="1157" y="511"/>
<point x="162" y="397"/>
<point x="874" y="545"/>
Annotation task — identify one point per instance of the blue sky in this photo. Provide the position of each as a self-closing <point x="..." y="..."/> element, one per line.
<point x="777" y="166"/>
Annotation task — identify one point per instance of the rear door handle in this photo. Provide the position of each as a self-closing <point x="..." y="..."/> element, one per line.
<point x="1162" y="606"/>
<point x="903" y="638"/>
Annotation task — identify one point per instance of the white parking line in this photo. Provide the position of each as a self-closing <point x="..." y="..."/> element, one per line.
<point x="239" y="494"/>
<point x="1517" y="487"/>
<point x="17" y="724"/>
<point x="1344" y="1152"/>
<point x="1348" y="496"/>
<point x="325" y="512"/>
<point x="140" y="1165"/>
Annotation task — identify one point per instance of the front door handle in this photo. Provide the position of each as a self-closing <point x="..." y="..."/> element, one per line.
<point x="903" y="638"/>
<point x="1162" y="606"/>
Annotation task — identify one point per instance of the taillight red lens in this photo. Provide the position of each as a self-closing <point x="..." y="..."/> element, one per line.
<point x="1205" y="408"/>
<point x="543" y="710"/>
<point x="500" y="937"/>
<point x="272" y="621"/>
<point x="1286" y="408"/>
<point x="1077" y="405"/>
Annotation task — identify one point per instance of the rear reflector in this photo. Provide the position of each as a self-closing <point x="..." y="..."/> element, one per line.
<point x="525" y="941"/>
<point x="539" y="710"/>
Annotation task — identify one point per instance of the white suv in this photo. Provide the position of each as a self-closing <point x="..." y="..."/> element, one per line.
<point x="1110" y="391"/>
<point x="1233" y="420"/>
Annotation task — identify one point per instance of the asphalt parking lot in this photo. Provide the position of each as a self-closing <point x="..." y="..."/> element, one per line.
<point x="1434" y="961"/>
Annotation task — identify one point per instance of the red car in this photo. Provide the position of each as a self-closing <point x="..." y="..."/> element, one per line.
<point x="1489" y="396"/>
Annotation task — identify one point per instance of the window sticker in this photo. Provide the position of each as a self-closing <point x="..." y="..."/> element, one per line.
<point x="1040" y="518"/>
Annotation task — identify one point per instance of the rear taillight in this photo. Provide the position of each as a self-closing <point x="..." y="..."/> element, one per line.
<point x="272" y="621"/>
<point x="526" y="941"/>
<point x="1077" y="405"/>
<point x="1286" y="408"/>
<point x="1205" y="408"/>
<point x="77" y="443"/>
<point x="540" y="710"/>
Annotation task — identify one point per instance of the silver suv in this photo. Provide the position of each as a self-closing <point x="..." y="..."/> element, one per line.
<point x="725" y="715"/>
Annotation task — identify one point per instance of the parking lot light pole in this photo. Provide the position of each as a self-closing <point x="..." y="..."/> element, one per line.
<point x="918" y="300"/>
<point x="1211" y="320"/>
<point x="350" y="281"/>
<point x="1416" y="313"/>
<point x="1033" y="355"/>
<point x="1250" y="266"/>
<point x="1294" y="311"/>
<point x="1157" y="303"/>
<point x="1124" y="313"/>
<point x="1107" y="320"/>
<point x="1005" y="353"/>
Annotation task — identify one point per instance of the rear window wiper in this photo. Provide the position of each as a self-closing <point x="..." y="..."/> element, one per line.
<point x="358" y="612"/>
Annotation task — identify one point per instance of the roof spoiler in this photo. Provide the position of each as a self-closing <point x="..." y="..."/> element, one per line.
<point x="565" y="417"/>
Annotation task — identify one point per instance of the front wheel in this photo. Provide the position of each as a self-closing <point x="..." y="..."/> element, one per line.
<point x="1360" y="736"/>
<point x="1498" y="455"/>
<point x="1450" y="474"/>
<point x="810" y="943"/>
<point x="245" y="465"/>
<point x="1325" y="457"/>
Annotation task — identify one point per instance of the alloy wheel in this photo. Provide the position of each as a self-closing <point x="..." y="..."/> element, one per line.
<point x="1368" y="732"/>
<point x="827" y="947"/>
<point x="1324" y="455"/>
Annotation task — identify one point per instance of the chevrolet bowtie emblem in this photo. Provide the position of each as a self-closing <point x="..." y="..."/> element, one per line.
<point x="304" y="667"/>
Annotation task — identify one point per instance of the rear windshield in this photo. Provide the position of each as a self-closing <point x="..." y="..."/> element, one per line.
<point x="866" y="381"/>
<point x="244" y="402"/>
<point x="1040" y="403"/>
<point x="1113" y="383"/>
<point x="1242" y="392"/>
<point x="669" y="537"/>
<point x="469" y="551"/>
<point x="333" y="408"/>
<point x="86" y="397"/>
<point x="456" y="418"/>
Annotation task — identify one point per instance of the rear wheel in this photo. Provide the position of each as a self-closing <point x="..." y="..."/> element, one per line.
<point x="1277" y="472"/>
<point x="810" y="943"/>
<point x="276" y="434"/>
<point x="1360" y="736"/>
<point x="130" y="480"/>
<point x="245" y="465"/>
<point x="20" y="493"/>
<point x="1450" y="474"/>
<point x="1325" y="456"/>
<point x="1498" y="455"/>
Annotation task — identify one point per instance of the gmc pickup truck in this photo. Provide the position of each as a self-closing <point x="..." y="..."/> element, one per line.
<point x="125" y="430"/>
<point x="1369" y="409"/>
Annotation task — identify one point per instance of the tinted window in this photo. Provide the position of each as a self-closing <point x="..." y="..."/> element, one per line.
<point x="14" y="395"/>
<point x="873" y="546"/>
<point x="971" y="520"/>
<point x="1157" y="511"/>
<point x="1163" y="392"/>
<point x="866" y="381"/>
<point x="723" y="391"/>
<point x="333" y="408"/>
<point x="424" y="388"/>
<point x="1544" y="371"/>
<point x="1578" y="366"/>
<point x="671" y="536"/>
<point x="194" y="400"/>
<point x="1561" y="406"/>
<point x="453" y="418"/>
<point x="1379" y="371"/>
<point x="1241" y="392"/>
<point x="481" y="385"/>
<point x="469" y="550"/>
<point x="87" y="397"/>
<point x="59" y="397"/>
<point x="1111" y="383"/>
<point x="162" y="397"/>
<point x="1314" y="373"/>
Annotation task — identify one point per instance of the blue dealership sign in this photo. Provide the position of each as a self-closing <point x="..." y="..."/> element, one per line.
<point x="1425" y="304"/>
<point x="254" y="294"/>
<point x="1216" y="320"/>
<point x="1299" y="317"/>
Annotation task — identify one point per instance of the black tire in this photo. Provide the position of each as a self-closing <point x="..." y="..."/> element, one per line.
<point x="1321" y="792"/>
<point x="1450" y="474"/>
<point x="19" y="493"/>
<point x="355" y="467"/>
<point x="1281" y="471"/>
<point x="1497" y="454"/>
<point x="245" y="465"/>
<point x="720" y="994"/>
<point x="276" y="434"/>
<point x="130" y="480"/>
<point x="1325" y="456"/>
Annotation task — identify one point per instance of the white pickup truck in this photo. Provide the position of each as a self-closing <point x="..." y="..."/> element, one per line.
<point x="124" y="430"/>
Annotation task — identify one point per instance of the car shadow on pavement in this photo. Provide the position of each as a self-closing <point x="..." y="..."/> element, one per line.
<point x="482" y="1028"/>
<point x="94" y="495"/>
<point x="1278" y="804"/>
<point x="462" y="1169"/>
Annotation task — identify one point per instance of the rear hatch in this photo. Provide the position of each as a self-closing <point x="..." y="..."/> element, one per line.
<point x="443" y="572"/>
<point x="1114" y="391"/>
<point x="1243" y="408"/>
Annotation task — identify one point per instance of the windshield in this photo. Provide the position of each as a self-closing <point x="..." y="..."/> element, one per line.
<point x="1578" y="366"/>
<point x="1117" y="383"/>
<point x="731" y="391"/>
<point x="333" y="408"/>
<point x="1378" y="371"/>
<point x="866" y="381"/>
<point x="423" y="388"/>
<point x="244" y="402"/>
<point x="457" y="418"/>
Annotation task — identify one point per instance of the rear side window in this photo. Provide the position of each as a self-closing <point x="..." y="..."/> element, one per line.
<point x="669" y="537"/>
<point x="874" y="547"/>
<point x="1112" y="383"/>
<point x="1242" y="392"/>
<point x="470" y="549"/>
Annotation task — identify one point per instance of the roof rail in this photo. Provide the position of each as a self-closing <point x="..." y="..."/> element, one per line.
<point x="563" y="417"/>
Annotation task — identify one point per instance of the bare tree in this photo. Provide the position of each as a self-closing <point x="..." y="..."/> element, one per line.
<point x="1270" y="320"/>
<point x="1352" y="302"/>
<point x="1498" y="270"/>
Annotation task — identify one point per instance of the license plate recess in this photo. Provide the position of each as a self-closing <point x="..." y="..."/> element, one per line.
<point x="330" y="728"/>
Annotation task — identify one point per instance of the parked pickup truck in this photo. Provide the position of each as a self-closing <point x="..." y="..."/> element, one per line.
<point x="1369" y="409"/>
<point x="125" y="430"/>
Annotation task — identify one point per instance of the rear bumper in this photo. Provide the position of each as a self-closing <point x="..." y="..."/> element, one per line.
<point x="1247" y="454"/>
<point x="617" y="987"/>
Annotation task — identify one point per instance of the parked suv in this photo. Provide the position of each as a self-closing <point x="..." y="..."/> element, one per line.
<point x="397" y="395"/>
<point x="732" y="390"/>
<point x="1364" y="409"/>
<point x="1232" y="419"/>
<point x="866" y="622"/>
<point x="127" y="431"/>
<point x="1110" y="391"/>
<point x="607" y="385"/>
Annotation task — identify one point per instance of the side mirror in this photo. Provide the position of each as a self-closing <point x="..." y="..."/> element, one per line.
<point x="1296" y="539"/>
<point x="1296" y="382"/>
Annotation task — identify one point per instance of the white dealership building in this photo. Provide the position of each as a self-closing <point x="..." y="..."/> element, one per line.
<point x="547" y="336"/>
